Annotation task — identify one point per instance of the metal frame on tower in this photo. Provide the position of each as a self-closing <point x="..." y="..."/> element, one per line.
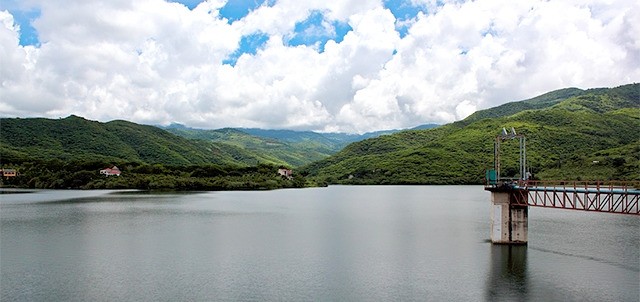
<point x="523" y="152"/>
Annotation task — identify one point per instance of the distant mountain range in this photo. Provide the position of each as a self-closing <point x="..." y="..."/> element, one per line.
<point x="24" y="139"/>
<point x="288" y="147"/>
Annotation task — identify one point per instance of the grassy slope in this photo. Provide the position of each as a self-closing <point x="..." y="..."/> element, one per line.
<point x="281" y="147"/>
<point x="259" y="149"/>
<point x="570" y="133"/>
<point x="564" y="137"/>
<point x="79" y="139"/>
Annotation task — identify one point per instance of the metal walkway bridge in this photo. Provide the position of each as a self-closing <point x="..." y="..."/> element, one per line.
<point x="511" y="199"/>
<point x="612" y="197"/>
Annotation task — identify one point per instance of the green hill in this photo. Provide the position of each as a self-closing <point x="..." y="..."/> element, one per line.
<point x="540" y="102"/>
<point x="78" y="139"/>
<point x="70" y="152"/>
<point x="283" y="147"/>
<point x="75" y="138"/>
<point x="261" y="149"/>
<point x="571" y="134"/>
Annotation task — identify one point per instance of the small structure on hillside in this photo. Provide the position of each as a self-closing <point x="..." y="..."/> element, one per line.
<point x="285" y="173"/>
<point x="111" y="171"/>
<point x="8" y="172"/>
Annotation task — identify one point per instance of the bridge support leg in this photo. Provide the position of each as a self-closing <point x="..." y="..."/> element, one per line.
<point x="509" y="218"/>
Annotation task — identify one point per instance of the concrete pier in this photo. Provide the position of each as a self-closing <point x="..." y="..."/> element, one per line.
<point x="509" y="218"/>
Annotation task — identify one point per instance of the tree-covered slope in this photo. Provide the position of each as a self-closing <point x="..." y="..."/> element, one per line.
<point x="540" y="102"/>
<point x="592" y="134"/>
<point x="285" y="147"/>
<point x="70" y="152"/>
<point x="75" y="138"/>
<point x="261" y="149"/>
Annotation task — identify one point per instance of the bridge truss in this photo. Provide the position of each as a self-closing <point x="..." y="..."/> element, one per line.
<point x="599" y="196"/>
<point x="611" y="197"/>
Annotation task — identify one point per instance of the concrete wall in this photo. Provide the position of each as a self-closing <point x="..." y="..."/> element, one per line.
<point x="509" y="221"/>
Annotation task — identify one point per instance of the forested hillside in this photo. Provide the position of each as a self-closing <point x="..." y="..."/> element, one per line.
<point x="75" y="138"/>
<point x="265" y="149"/>
<point x="289" y="147"/>
<point x="571" y="134"/>
<point x="69" y="152"/>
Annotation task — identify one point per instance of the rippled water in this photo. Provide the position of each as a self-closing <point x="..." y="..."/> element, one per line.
<point x="341" y="243"/>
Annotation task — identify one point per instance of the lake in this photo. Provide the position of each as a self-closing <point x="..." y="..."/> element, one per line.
<point x="340" y="243"/>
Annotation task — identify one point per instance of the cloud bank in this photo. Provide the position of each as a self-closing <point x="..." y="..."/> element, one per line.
<point x="344" y="65"/>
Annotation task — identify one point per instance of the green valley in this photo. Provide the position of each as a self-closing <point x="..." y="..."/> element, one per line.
<point x="283" y="147"/>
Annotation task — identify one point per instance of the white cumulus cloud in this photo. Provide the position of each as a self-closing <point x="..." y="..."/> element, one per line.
<point x="158" y="62"/>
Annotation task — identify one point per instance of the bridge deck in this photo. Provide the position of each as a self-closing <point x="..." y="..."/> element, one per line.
<point x="582" y="190"/>
<point x="611" y="197"/>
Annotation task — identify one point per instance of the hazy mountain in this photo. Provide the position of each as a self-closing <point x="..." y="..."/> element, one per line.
<point x="294" y="148"/>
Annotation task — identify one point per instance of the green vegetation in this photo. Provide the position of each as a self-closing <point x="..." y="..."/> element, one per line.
<point x="56" y="174"/>
<point x="69" y="152"/>
<point x="571" y="134"/>
<point x="283" y="147"/>
<point x="259" y="149"/>
<point x="540" y="102"/>
<point x="75" y="138"/>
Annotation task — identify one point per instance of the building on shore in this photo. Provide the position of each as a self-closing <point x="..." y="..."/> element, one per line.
<point x="8" y="172"/>
<point x="111" y="171"/>
<point x="285" y="173"/>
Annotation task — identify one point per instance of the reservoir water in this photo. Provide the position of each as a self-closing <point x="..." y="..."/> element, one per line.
<point x="341" y="243"/>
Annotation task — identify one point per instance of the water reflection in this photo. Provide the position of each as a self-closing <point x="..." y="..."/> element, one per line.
<point x="508" y="279"/>
<point x="327" y="244"/>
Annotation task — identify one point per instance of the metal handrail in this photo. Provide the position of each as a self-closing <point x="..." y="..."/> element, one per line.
<point x="621" y="197"/>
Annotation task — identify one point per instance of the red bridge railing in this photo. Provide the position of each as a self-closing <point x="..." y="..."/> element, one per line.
<point x="622" y="197"/>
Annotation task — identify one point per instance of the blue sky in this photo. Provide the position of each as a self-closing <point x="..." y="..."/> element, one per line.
<point x="28" y="36"/>
<point x="309" y="32"/>
<point x="236" y="10"/>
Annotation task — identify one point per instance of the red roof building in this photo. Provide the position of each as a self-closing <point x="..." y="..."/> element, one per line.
<point x="111" y="171"/>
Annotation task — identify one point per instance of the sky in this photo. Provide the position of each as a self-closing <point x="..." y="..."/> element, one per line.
<point x="330" y="66"/>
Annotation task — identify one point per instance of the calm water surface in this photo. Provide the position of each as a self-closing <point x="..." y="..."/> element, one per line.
<point x="341" y="243"/>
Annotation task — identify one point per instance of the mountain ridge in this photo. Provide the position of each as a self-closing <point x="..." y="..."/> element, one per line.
<point x="295" y="148"/>
<point x="568" y="131"/>
<point x="565" y="138"/>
